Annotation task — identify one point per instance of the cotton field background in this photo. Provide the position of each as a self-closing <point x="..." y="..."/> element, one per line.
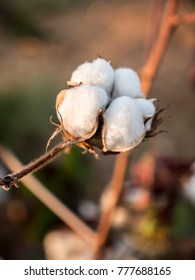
<point x="41" y="44"/>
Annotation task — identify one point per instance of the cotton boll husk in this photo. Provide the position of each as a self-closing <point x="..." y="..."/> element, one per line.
<point x="127" y="83"/>
<point x="146" y="106"/>
<point x="123" y="125"/>
<point x="78" y="108"/>
<point x="98" y="73"/>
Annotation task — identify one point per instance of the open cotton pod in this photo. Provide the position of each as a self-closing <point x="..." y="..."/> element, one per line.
<point x="78" y="109"/>
<point x="99" y="73"/>
<point x="123" y="127"/>
<point x="127" y="82"/>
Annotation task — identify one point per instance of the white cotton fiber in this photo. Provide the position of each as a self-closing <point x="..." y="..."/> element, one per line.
<point x="79" y="109"/>
<point x="146" y="106"/>
<point x="148" y="124"/>
<point x="98" y="73"/>
<point x="123" y="125"/>
<point x="127" y="83"/>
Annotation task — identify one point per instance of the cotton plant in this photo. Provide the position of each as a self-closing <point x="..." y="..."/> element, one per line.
<point x="106" y="108"/>
<point x="100" y="107"/>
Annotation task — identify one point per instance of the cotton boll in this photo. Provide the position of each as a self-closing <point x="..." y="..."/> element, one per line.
<point x="123" y="125"/>
<point x="78" y="109"/>
<point x="146" y="106"/>
<point x="127" y="82"/>
<point x="98" y="73"/>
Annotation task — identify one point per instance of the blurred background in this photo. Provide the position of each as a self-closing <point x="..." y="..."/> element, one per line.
<point x="41" y="43"/>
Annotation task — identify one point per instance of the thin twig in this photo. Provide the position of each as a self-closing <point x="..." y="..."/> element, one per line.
<point x="154" y="24"/>
<point x="182" y="19"/>
<point x="12" y="180"/>
<point x="112" y="195"/>
<point x="44" y="195"/>
<point x="150" y="69"/>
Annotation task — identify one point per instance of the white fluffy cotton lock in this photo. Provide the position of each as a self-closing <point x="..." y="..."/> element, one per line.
<point x="146" y="107"/>
<point x="127" y="83"/>
<point x="123" y="125"/>
<point x="99" y="73"/>
<point x="78" y="109"/>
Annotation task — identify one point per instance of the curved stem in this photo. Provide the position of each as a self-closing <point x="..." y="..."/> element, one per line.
<point x="150" y="68"/>
<point x="12" y="180"/>
<point x="111" y="194"/>
<point x="50" y="200"/>
<point x="155" y="17"/>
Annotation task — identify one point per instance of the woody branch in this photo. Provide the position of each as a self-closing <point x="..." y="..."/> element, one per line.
<point x="148" y="74"/>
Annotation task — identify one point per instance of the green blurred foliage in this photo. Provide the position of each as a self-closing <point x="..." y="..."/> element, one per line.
<point x="183" y="220"/>
<point x="25" y="129"/>
<point x="19" y="17"/>
<point x="25" y="112"/>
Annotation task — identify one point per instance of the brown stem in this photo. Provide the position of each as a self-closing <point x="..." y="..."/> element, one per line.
<point x="44" y="195"/>
<point x="111" y="198"/>
<point x="12" y="180"/>
<point x="154" y="24"/>
<point x="148" y="74"/>
<point x="150" y="69"/>
<point x="182" y="19"/>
